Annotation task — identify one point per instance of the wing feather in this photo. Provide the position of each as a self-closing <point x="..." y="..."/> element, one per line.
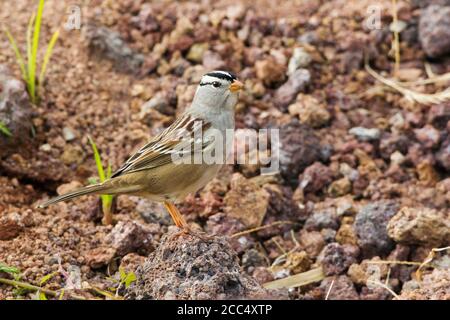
<point x="159" y="151"/>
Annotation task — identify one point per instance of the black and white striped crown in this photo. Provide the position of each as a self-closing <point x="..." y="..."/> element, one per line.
<point x="224" y="75"/>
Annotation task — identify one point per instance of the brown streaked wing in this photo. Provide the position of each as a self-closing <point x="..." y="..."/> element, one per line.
<point x="158" y="151"/>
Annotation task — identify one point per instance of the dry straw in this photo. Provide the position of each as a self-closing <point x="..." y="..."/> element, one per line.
<point x="412" y="95"/>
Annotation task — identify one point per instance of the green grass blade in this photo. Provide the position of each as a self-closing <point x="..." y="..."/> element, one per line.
<point x="29" y="36"/>
<point x="108" y="171"/>
<point x="106" y="202"/>
<point x="48" y="54"/>
<point x="107" y="199"/>
<point x="98" y="160"/>
<point x="7" y="269"/>
<point x="34" y="50"/>
<point x="47" y="277"/>
<point x="19" y="57"/>
<point x="5" y="130"/>
<point x="42" y="296"/>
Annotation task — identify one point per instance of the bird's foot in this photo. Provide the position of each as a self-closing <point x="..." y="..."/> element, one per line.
<point x="186" y="230"/>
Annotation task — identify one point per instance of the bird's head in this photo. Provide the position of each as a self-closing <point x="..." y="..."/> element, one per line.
<point x="218" y="90"/>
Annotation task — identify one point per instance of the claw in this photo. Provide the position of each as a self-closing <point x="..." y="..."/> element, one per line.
<point x="181" y="223"/>
<point x="188" y="231"/>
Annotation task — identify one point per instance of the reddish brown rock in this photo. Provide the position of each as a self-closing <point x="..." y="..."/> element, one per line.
<point x="420" y="226"/>
<point x="270" y="72"/>
<point x="262" y="275"/>
<point x="100" y="257"/>
<point x="312" y="242"/>
<point x="315" y="177"/>
<point x="221" y="224"/>
<point x="434" y="286"/>
<point x="428" y="136"/>
<point x="10" y="226"/>
<point x="130" y="236"/>
<point x="366" y="270"/>
<point x="246" y="201"/>
<point x="342" y="289"/>
<point x="131" y="262"/>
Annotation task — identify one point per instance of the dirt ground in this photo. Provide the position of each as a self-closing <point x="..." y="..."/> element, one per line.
<point x="364" y="173"/>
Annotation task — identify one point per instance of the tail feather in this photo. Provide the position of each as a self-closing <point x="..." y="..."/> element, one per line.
<point x="95" y="188"/>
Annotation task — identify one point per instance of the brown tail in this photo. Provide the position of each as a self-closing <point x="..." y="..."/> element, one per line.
<point x="95" y="188"/>
<point x="100" y="188"/>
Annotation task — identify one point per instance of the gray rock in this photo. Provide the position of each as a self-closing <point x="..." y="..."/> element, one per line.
<point x="443" y="155"/>
<point x="370" y="227"/>
<point x="187" y="267"/>
<point x="335" y="258"/>
<point x="320" y="220"/>
<point x="308" y="37"/>
<point x="300" y="59"/>
<point x="68" y="134"/>
<point x="297" y="82"/>
<point x="434" y="30"/>
<point x="365" y="134"/>
<point x="159" y="102"/>
<point x="153" y="212"/>
<point x="15" y="113"/>
<point x="253" y="258"/>
<point x="299" y="147"/>
<point x="426" y="3"/>
<point x="428" y="136"/>
<point x="439" y="115"/>
<point x="108" y="44"/>
<point x="329" y="235"/>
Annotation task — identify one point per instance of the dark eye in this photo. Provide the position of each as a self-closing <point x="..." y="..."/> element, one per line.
<point x="216" y="84"/>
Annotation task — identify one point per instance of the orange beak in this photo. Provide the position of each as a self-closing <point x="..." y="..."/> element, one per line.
<point x="236" y="86"/>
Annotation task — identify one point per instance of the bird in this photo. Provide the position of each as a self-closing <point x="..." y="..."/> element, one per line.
<point x="171" y="165"/>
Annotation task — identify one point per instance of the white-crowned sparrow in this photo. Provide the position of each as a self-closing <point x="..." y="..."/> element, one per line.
<point x="153" y="173"/>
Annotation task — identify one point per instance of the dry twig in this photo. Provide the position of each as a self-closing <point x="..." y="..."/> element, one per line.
<point x="297" y="280"/>
<point x="422" y="98"/>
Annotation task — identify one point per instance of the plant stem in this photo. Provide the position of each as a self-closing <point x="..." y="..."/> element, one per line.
<point x="36" y="288"/>
<point x="396" y="37"/>
<point x="107" y="215"/>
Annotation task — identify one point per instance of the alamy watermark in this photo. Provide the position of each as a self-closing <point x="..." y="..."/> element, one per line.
<point x="73" y="21"/>
<point x="373" y="20"/>
<point x="213" y="146"/>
